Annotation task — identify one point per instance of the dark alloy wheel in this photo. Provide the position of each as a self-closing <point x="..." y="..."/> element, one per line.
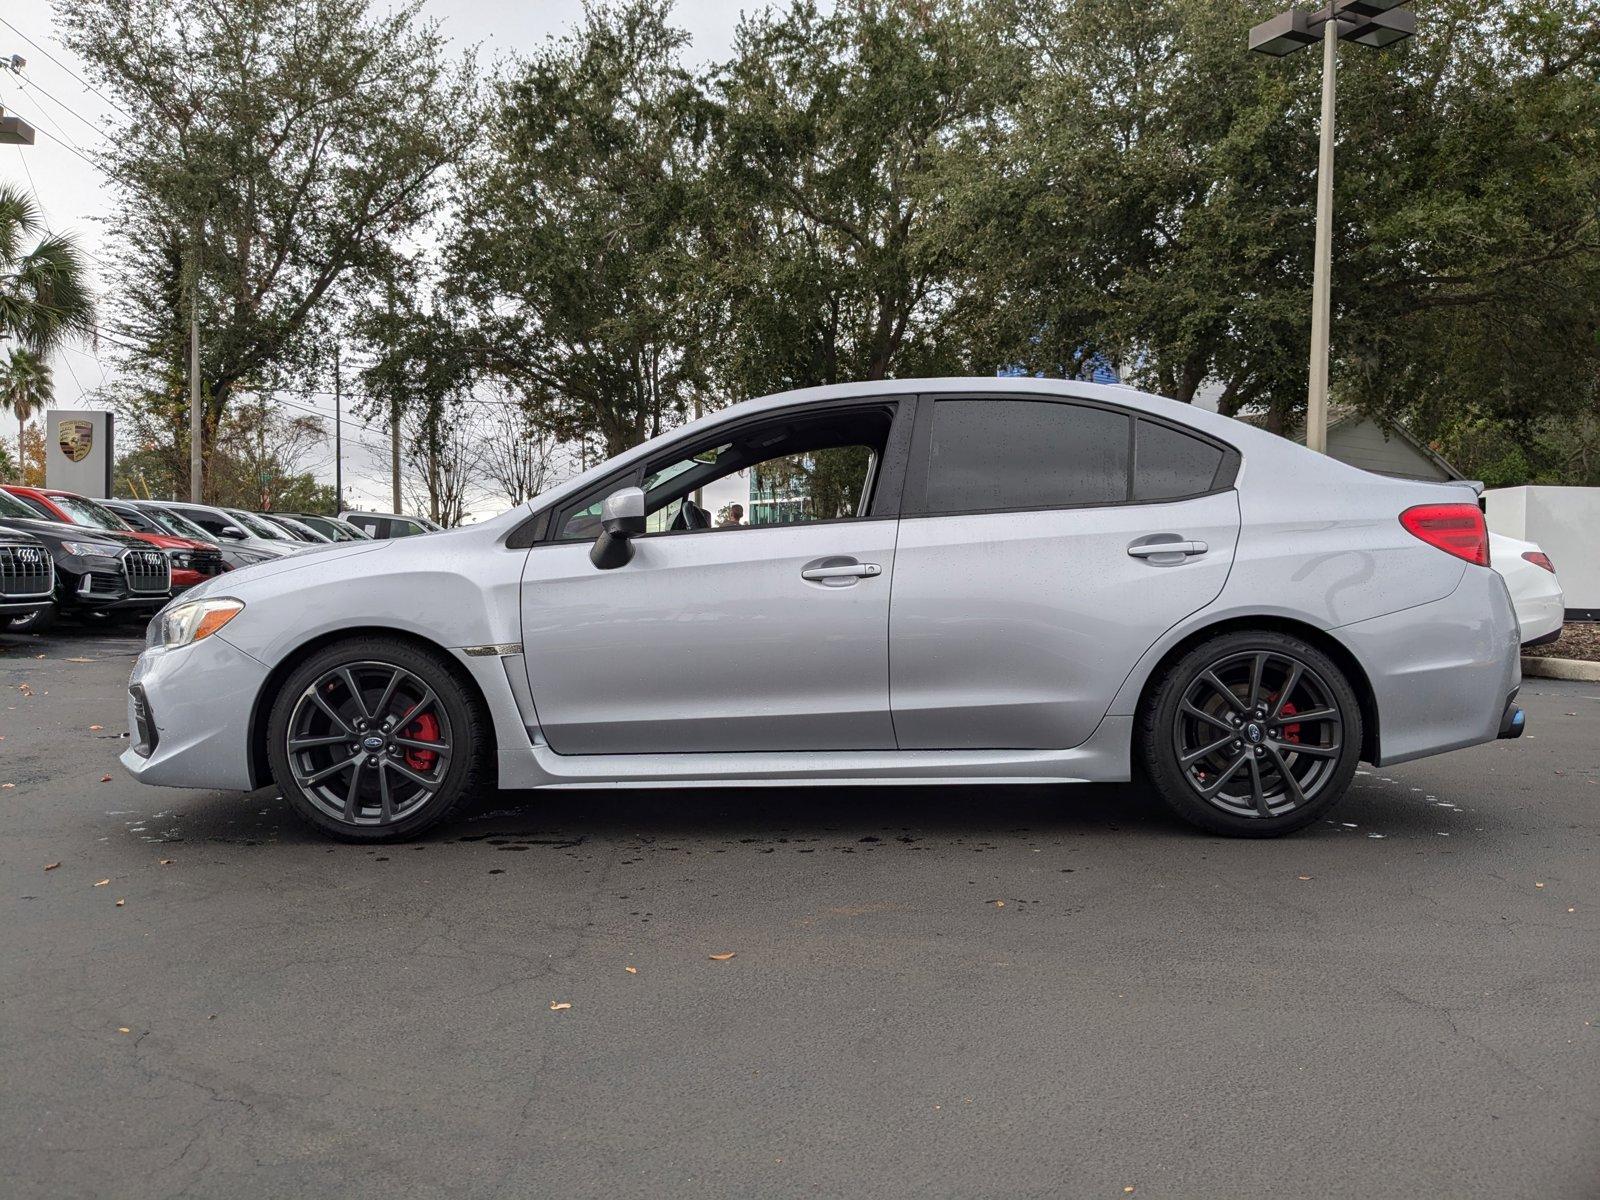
<point x="373" y="739"/>
<point x="1252" y="734"/>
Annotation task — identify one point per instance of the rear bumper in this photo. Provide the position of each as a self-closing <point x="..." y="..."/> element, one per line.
<point x="195" y="718"/>
<point x="1443" y="674"/>
<point x="1541" y="617"/>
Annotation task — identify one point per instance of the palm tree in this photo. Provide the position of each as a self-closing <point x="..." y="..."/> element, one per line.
<point x="44" y="300"/>
<point x="26" y="387"/>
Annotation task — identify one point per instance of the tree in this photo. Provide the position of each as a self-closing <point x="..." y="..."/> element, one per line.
<point x="273" y="153"/>
<point x="515" y="453"/>
<point x="32" y="456"/>
<point x="1148" y="198"/>
<point x="26" y="385"/>
<point x="832" y="244"/>
<point x="44" y="302"/>
<point x="44" y="293"/>
<point x="258" y="460"/>
<point x="579" y="251"/>
<point x="442" y="453"/>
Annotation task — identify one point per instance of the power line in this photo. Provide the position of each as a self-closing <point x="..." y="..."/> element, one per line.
<point x="70" y="147"/>
<point x="29" y="84"/>
<point x="65" y="68"/>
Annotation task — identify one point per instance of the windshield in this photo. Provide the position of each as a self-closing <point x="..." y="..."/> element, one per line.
<point x="84" y="511"/>
<point x="300" y="529"/>
<point x="255" y="525"/>
<point x="10" y="506"/>
<point x="334" y="528"/>
<point x="176" y="525"/>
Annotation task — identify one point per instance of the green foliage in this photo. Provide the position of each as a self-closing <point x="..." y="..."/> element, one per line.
<point x="579" y="252"/>
<point x="274" y="153"/>
<point x="832" y="226"/>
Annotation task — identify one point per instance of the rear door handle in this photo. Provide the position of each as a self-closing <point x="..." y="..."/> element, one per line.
<point x="847" y="571"/>
<point x="1144" y="549"/>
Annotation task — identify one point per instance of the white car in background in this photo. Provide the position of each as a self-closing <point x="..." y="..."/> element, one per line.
<point x="1535" y="591"/>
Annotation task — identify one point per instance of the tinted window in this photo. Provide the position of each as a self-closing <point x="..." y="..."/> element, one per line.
<point x="210" y="522"/>
<point x="999" y="454"/>
<point x="1168" y="463"/>
<point x="39" y="510"/>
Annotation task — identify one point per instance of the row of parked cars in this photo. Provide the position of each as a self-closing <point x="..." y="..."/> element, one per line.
<point x="62" y="552"/>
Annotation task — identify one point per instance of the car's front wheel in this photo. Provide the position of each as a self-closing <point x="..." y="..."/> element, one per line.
<point x="374" y="739"/>
<point x="1251" y="734"/>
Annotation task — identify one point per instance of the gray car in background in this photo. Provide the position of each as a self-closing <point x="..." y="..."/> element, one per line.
<point x="977" y="580"/>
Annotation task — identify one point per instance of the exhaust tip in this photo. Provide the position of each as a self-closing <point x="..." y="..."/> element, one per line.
<point x="1513" y="722"/>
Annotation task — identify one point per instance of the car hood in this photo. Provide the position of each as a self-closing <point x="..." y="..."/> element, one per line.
<point x="237" y="582"/>
<point x="60" y="531"/>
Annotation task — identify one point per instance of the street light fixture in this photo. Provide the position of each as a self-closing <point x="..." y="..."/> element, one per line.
<point x="1375" y="23"/>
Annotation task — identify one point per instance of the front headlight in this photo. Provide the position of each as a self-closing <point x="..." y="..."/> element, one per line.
<point x="92" y="549"/>
<point x="185" y="623"/>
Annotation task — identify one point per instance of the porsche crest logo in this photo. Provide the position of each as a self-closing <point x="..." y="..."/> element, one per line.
<point x="76" y="438"/>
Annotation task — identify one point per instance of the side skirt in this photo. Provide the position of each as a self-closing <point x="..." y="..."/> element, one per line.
<point x="1104" y="758"/>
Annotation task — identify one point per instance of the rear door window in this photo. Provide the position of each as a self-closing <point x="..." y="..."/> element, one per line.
<point x="998" y="455"/>
<point x="1170" y="464"/>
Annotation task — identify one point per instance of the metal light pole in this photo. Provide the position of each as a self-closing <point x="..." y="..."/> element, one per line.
<point x="1375" y="23"/>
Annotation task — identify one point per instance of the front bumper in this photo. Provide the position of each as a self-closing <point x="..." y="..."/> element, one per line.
<point x="1443" y="674"/>
<point x="197" y="704"/>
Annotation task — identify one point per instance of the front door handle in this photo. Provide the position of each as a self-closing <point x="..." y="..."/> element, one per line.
<point x="845" y="571"/>
<point x="1148" y="549"/>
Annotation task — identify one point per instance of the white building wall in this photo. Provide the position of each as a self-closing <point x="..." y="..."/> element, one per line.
<point x="1565" y="522"/>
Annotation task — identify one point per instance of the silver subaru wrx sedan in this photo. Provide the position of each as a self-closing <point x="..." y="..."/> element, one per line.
<point x="995" y="580"/>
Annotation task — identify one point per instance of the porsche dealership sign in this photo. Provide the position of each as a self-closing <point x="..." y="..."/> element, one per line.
<point x="78" y="450"/>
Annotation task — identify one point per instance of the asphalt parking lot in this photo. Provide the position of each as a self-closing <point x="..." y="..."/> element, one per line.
<point x="969" y="992"/>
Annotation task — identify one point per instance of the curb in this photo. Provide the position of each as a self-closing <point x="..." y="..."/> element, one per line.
<point x="1561" y="668"/>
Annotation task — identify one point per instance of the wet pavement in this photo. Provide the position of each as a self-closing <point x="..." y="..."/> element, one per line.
<point x="963" y="992"/>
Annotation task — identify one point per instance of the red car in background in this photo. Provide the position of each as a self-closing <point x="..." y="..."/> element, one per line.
<point x="192" y="562"/>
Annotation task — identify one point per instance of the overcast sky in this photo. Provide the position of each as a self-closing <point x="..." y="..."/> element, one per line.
<point x="51" y="96"/>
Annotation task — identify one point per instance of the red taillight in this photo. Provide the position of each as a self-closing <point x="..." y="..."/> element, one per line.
<point x="1454" y="528"/>
<point x="1540" y="559"/>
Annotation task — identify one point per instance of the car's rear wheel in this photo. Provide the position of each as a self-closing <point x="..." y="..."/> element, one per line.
<point x="375" y="739"/>
<point x="1251" y="734"/>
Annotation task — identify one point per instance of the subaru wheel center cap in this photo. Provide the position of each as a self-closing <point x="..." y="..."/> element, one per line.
<point x="372" y="742"/>
<point x="1253" y="732"/>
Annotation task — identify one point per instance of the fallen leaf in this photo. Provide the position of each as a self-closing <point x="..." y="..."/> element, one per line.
<point x="998" y="903"/>
<point x="120" y="903"/>
<point x="80" y="660"/>
<point x="1538" y="885"/>
<point x="7" y="786"/>
<point x="558" y="1005"/>
<point x="102" y="883"/>
<point x="123" y="1029"/>
<point x="1302" y="877"/>
<point x="96" y="728"/>
<point x="105" y="779"/>
<point x="1126" y="1190"/>
<point x="722" y="957"/>
<point x="51" y="866"/>
<point x="635" y="970"/>
<point x="167" y="862"/>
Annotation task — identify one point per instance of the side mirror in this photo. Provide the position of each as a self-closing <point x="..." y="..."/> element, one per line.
<point x="233" y="532"/>
<point x="621" y="518"/>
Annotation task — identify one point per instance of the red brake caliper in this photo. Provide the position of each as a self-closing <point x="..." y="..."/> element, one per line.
<point x="424" y="729"/>
<point x="1291" y="733"/>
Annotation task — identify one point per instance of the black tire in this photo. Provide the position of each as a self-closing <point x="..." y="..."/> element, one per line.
<point x="35" y="622"/>
<point x="1267" y="773"/>
<point x="374" y="796"/>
